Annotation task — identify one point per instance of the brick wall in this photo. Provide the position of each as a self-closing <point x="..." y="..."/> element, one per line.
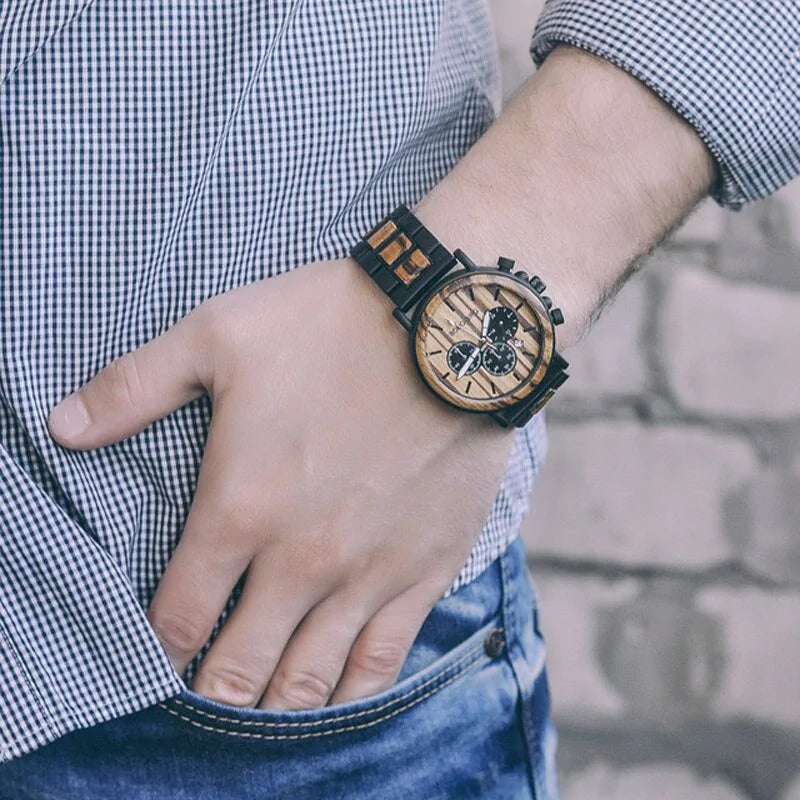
<point x="665" y="532"/>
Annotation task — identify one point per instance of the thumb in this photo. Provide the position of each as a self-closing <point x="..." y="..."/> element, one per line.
<point x="131" y="392"/>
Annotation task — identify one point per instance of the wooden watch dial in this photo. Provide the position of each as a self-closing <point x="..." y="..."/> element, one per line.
<point x="483" y="341"/>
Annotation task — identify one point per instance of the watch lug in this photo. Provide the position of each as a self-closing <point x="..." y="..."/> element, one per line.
<point x="402" y="318"/>
<point x="521" y="414"/>
<point x="499" y="418"/>
<point x="465" y="259"/>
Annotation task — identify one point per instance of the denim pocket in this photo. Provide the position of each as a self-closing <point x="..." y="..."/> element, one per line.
<point x="450" y="644"/>
<point x="273" y="725"/>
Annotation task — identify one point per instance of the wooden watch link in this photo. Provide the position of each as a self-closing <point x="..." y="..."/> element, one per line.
<point x="482" y="338"/>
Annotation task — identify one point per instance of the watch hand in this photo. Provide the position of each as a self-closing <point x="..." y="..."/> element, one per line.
<point x="466" y="366"/>
<point x="487" y="321"/>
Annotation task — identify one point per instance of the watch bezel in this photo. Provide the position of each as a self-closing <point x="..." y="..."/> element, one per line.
<point x="453" y="282"/>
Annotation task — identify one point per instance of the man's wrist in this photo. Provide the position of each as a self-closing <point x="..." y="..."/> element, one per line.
<point x="584" y="172"/>
<point x="369" y="310"/>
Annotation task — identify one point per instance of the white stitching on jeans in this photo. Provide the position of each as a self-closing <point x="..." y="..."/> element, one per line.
<point x="316" y="723"/>
<point x="248" y="735"/>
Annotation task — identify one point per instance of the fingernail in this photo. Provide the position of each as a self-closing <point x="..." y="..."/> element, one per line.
<point x="69" y="418"/>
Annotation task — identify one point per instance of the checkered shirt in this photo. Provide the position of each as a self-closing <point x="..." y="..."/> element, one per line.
<point x="156" y="153"/>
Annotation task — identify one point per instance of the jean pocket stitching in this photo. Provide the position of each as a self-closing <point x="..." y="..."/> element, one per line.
<point x="335" y="730"/>
<point x="411" y="696"/>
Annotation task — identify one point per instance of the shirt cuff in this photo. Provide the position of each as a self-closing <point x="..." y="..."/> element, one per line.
<point x="730" y="69"/>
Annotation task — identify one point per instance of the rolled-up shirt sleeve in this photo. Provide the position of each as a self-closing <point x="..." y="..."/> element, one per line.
<point x="731" y="68"/>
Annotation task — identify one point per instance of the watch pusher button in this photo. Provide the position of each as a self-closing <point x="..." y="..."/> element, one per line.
<point x="557" y="316"/>
<point x="547" y="301"/>
<point x="506" y="264"/>
<point x="538" y="284"/>
<point x="521" y="274"/>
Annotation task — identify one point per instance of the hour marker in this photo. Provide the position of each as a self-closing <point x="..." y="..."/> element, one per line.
<point x="526" y="353"/>
<point x="530" y="329"/>
<point x="436" y="327"/>
<point x="517" y="308"/>
<point x="444" y="377"/>
<point x="471" y="293"/>
<point x="496" y="292"/>
<point x="494" y="388"/>
<point x="434" y="352"/>
<point x="469" y="386"/>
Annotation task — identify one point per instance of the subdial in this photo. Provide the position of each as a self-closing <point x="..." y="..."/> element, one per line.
<point x="464" y="358"/>
<point x="501" y="325"/>
<point x="499" y="358"/>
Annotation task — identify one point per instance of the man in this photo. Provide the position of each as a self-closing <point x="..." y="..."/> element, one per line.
<point x="308" y="555"/>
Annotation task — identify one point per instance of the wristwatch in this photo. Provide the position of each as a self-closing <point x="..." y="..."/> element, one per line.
<point x="482" y="338"/>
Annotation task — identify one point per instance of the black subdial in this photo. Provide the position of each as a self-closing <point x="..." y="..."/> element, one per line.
<point x="501" y="325"/>
<point x="463" y="358"/>
<point x="499" y="358"/>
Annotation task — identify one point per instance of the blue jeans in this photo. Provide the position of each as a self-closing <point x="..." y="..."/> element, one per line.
<point x="467" y="718"/>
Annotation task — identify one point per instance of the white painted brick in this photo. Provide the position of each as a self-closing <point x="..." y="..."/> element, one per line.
<point x="601" y="781"/>
<point x="729" y="349"/>
<point x="610" y="360"/>
<point x="764" y="525"/>
<point x="793" y="792"/>
<point x="514" y="22"/>
<point x="569" y="610"/>
<point x="636" y="495"/>
<point x="638" y="647"/>
<point x="761" y="652"/>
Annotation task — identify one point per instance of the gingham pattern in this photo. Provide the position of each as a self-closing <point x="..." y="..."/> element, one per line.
<point x="155" y="153"/>
<point x="730" y="68"/>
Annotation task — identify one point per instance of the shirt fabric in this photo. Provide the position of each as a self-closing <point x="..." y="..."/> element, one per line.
<point x="153" y="154"/>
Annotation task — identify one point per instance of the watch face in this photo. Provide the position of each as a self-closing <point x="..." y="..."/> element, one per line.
<point x="483" y="340"/>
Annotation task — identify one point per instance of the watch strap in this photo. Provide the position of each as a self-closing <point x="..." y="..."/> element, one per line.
<point x="403" y="257"/>
<point x="521" y="413"/>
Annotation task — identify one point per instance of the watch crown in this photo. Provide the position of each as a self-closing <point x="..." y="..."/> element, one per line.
<point x="506" y="264"/>
<point x="557" y="316"/>
<point x="538" y="284"/>
<point x="547" y="301"/>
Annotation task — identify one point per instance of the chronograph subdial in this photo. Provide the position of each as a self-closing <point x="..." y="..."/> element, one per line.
<point x="499" y="359"/>
<point x="464" y="358"/>
<point x="501" y="324"/>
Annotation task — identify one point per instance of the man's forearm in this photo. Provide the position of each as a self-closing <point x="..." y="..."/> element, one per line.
<point x="584" y="171"/>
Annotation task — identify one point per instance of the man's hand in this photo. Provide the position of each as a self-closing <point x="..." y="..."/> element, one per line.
<point x="349" y="495"/>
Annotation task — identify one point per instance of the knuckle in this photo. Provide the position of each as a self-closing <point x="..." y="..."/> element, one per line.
<point x="232" y="684"/>
<point x="382" y="657"/>
<point x="122" y="375"/>
<point x="178" y="632"/>
<point x="301" y="688"/>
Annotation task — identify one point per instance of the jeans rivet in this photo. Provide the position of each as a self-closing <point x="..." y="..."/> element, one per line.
<point x="495" y="643"/>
